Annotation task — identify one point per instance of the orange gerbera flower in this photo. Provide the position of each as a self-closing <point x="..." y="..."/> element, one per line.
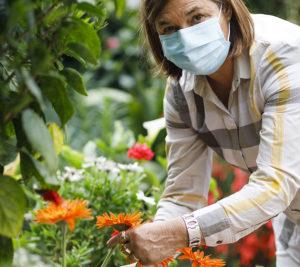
<point x="68" y="211"/>
<point x="164" y="263"/>
<point x="198" y="258"/>
<point x="121" y="221"/>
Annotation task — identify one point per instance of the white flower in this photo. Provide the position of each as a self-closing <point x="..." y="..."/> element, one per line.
<point x="149" y="200"/>
<point x="72" y="174"/>
<point x="135" y="167"/>
<point x="154" y="127"/>
<point x="102" y="164"/>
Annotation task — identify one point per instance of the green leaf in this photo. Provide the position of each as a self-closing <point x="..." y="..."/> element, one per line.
<point x="81" y="53"/>
<point x="31" y="167"/>
<point x="120" y="7"/>
<point x="40" y="138"/>
<point x="57" y="137"/>
<point x="53" y="86"/>
<point x="12" y="207"/>
<point x="92" y="9"/>
<point x="55" y="15"/>
<point x="33" y="88"/>
<point x="78" y="32"/>
<point x="6" y="252"/>
<point x="8" y="151"/>
<point x="213" y="187"/>
<point x="73" y="157"/>
<point x="74" y="79"/>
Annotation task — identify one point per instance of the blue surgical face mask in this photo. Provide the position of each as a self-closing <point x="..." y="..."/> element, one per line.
<point x="200" y="49"/>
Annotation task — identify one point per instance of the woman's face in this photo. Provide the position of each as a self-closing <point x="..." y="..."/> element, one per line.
<point x="180" y="14"/>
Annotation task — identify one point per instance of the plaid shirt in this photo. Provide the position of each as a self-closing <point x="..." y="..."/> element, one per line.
<point x="258" y="132"/>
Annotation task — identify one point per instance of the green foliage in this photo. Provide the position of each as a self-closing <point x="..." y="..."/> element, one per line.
<point x="6" y="252"/>
<point x="12" y="207"/>
<point x="108" y="187"/>
<point x="38" y="42"/>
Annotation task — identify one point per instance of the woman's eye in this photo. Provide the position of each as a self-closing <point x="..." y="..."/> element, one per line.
<point x="196" y="19"/>
<point x="169" y="29"/>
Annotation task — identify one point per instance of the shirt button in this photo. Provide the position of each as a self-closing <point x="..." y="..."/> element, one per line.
<point x="219" y="242"/>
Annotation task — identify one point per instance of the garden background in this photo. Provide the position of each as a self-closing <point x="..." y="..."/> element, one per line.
<point x="77" y="91"/>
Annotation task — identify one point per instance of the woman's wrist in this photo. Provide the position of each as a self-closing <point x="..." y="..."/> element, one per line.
<point x="193" y="230"/>
<point x="177" y="232"/>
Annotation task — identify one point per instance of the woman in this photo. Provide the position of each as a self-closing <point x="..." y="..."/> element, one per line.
<point x="233" y="88"/>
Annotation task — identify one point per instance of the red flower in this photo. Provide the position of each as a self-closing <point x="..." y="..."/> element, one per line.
<point x="114" y="233"/>
<point x="140" y="151"/>
<point x="240" y="179"/>
<point x="248" y="249"/>
<point x="50" y="195"/>
<point x="223" y="249"/>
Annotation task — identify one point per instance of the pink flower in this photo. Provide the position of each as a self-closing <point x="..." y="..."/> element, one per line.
<point x="112" y="43"/>
<point x="140" y="151"/>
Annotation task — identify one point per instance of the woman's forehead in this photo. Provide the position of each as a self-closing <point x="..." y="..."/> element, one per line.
<point x="185" y="7"/>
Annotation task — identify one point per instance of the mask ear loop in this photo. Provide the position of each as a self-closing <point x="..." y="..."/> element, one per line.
<point x="220" y="12"/>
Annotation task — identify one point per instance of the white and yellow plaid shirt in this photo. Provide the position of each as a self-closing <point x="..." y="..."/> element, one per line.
<point x="258" y="132"/>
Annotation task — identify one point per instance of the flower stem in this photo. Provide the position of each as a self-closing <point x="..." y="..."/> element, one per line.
<point x="108" y="256"/>
<point x="64" y="244"/>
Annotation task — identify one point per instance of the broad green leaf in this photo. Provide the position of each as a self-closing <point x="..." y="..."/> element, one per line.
<point x="12" y="207"/>
<point x="57" y="137"/>
<point x="74" y="79"/>
<point x="73" y="157"/>
<point x="31" y="167"/>
<point x="6" y="251"/>
<point x="81" y="52"/>
<point x="76" y="31"/>
<point x="33" y="88"/>
<point x="40" y="138"/>
<point x="53" y="86"/>
<point x="8" y="151"/>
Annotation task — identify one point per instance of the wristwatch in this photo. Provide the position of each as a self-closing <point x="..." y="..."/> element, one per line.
<point x="193" y="228"/>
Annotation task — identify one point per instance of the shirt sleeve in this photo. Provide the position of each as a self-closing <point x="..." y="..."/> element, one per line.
<point x="189" y="165"/>
<point x="274" y="185"/>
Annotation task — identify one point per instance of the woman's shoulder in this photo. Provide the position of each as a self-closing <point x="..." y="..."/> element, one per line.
<point x="273" y="30"/>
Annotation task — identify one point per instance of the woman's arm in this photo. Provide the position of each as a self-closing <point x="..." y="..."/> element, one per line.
<point x="275" y="183"/>
<point x="189" y="165"/>
<point x="187" y="185"/>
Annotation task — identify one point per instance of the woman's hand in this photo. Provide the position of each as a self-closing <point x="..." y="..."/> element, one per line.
<point x="152" y="243"/>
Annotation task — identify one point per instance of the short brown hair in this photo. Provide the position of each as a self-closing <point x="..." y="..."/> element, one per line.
<point x="241" y="26"/>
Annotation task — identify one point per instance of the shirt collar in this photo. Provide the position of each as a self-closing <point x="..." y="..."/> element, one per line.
<point x="243" y="66"/>
<point x="189" y="81"/>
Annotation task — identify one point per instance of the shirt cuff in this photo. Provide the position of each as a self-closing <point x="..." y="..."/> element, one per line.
<point x="168" y="210"/>
<point x="214" y="225"/>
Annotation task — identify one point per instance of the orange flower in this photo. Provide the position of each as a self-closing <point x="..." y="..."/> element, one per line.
<point x="164" y="263"/>
<point x="67" y="211"/>
<point x="121" y="221"/>
<point x="198" y="258"/>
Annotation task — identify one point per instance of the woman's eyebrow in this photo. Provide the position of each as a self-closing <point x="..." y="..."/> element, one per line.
<point x="163" y="22"/>
<point x="194" y="9"/>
